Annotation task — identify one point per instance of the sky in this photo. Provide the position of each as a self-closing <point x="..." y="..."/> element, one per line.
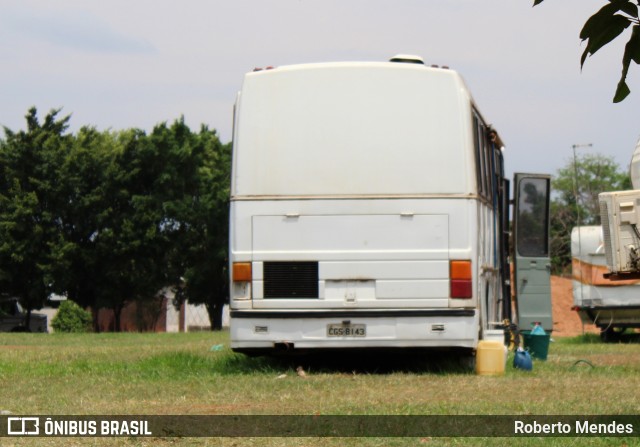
<point x="136" y="63"/>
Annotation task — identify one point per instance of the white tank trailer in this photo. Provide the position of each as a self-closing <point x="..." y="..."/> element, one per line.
<point x="611" y="305"/>
<point x="606" y="261"/>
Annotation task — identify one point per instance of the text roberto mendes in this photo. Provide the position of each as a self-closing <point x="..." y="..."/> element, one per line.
<point x="578" y="428"/>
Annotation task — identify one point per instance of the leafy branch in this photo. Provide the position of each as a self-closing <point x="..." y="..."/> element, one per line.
<point x="606" y="25"/>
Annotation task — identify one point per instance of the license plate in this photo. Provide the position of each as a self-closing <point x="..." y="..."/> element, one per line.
<point x="346" y="330"/>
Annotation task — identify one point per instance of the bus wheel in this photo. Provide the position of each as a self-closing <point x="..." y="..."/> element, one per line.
<point x="611" y="334"/>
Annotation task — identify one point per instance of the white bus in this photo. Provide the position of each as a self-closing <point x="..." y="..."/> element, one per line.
<point x="369" y="210"/>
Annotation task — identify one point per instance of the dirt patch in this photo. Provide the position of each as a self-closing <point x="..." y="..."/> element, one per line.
<point x="566" y="322"/>
<point x="217" y="409"/>
<point x="17" y="347"/>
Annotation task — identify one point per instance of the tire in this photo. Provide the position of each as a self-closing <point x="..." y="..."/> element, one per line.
<point x="611" y="334"/>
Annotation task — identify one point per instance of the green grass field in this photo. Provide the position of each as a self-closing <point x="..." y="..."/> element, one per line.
<point x="197" y="374"/>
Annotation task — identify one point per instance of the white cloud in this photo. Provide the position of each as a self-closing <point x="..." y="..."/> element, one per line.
<point x="126" y="64"/>
<point x="75" y="29"/>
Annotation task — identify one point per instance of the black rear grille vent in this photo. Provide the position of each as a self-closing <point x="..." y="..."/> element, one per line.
<point x="290" y="279"/>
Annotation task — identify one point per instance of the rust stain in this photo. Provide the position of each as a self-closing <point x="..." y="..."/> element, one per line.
<point x="593" y="275"/>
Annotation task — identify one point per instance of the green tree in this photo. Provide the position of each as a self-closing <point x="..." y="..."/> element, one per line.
<point x="130" y="241"/>
<point x="166" y="219"/>
<point x="575" y="194"/>
<point x="606" y="25"/>
<point x="583" y="180"/>
<point x="82" y="193"/>
<point x="29" y="170"/>
<point x="206" y="273"/>
<point x="197" y="216"/>
<point x="113" y="217"/>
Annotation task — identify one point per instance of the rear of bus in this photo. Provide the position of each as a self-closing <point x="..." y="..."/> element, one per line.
<point x="355" y="216"/>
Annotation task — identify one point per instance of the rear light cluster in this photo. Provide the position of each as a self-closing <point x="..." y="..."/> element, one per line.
<point x="459" y="274"/>
<point x="241" y="276"/>
<point x="241" y="271"/>
<point x="460" y="279"/>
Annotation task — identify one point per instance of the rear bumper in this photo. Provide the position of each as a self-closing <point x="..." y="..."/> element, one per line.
<point x="276" y="330"/>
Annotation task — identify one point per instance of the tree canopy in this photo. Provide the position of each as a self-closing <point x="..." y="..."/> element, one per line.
<point x="108" y="217"/>
<point x="607" y="24"/>
<point x="29" y="162"/>
<point x="576" y="187"/>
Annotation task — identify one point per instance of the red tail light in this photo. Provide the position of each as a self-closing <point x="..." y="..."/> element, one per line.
<point x="460" y="279"/>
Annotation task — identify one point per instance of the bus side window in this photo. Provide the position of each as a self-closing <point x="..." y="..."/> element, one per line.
<point x="478" y="138"/>
<point x="497" y="169"/>
<point x="490" y="163"/>
<point x="485" y="167"/>
<point x="486" y="177"/>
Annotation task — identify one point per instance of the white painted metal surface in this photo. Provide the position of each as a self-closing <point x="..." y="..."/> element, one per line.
<point x="352" y="128"/>
<point x="368" y="170"/>
<point x="599" y="300"/>
<point x="634" y="167"/>
<point x="620" y="212"/>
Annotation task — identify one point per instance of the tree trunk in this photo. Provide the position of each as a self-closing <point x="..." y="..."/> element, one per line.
<point x="214" y="309"/>
<point x="27" y="321"/>
<point x="94" y="317"/>
<point x="117" y="311"/>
